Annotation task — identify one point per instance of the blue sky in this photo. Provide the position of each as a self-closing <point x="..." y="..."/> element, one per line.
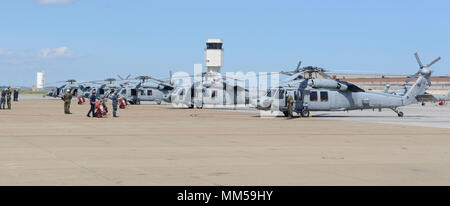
<point x="96" y="39"/>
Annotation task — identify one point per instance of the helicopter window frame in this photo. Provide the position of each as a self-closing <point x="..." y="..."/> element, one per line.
<point x="281" y="93"/>
<point x="134" y="92"/>
<point x="313" y="98"/>
<point x="324" y="96"/>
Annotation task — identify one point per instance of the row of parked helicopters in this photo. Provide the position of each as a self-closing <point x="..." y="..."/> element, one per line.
<point x="133" y="90"/>
<point x="308" y="93"/>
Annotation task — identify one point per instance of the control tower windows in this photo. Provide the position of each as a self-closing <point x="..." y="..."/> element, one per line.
<point x="214" y="46"/>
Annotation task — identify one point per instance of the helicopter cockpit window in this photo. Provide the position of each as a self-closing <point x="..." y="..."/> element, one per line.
<point x="149" y="92"/>
<point x="313" y="96"/>
<point x="124" y="91"/>
<point x="142" y="92"/>
<point x="281" y="94"/>
<point x="269" y="93"/>
<point x="182" y="92"/>
<point x="324" y="96"/>
<point x="213" y="94"/>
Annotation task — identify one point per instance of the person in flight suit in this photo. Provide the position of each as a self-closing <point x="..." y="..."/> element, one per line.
<point x="8" y="97"/>
<point x="290" y="102"/>
<point x="67" y="101"/>
<point x="114" y="98"/>
<point x="92" y="100"/>
<point x="3" y="99"/>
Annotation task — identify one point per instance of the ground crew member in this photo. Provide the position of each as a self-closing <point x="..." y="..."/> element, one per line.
<point x="3" y="99"/>
<point x="114" y="102"/>
<point x="92" y="100"/>
<point x="8" y="97"/>
<point x="16" y="95"/>
<point x="290" y="102"/>
<point x="67" y="101"/>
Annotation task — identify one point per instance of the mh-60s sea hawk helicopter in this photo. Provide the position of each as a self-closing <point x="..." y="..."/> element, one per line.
<point x="313" y="94"/>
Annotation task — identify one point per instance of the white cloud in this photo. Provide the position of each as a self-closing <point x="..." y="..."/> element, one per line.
<point x="55" y="52"/>
<point x="45" y="2"/>
<point x="8" y="56"/>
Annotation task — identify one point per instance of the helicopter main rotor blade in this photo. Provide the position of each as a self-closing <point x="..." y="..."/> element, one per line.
<point x="298" y="66"/>
<point x="325" y="75"/>
<point x="293" y="77"/>
<point x="412" y="77"/>
<point x="418" y="60"/>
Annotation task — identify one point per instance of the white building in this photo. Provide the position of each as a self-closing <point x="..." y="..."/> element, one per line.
<point x="40" y="81"/>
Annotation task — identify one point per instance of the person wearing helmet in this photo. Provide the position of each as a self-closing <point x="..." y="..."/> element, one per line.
<point x="67" y="100"/>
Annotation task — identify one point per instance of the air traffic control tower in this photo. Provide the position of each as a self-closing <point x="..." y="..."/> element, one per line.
<point x="214" y="55"/>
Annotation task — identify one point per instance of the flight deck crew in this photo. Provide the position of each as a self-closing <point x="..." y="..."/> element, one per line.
<point x="290" y="102"/>
<point x="114" y="102"/>
<point x="16" y="95"/>
<point x="8" y="97"/>
<point x="67" y="101"/>
<point x="3" y="99"/>
<point x="92" y="100"/>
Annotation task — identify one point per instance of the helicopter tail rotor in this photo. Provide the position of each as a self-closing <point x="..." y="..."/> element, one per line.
<point x="423" y="70"/>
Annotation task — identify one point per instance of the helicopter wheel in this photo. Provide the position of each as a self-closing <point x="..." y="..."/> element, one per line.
<point x="305" y="113"/>
<point x="286" y="113"/>
<point x="400" y="114"/>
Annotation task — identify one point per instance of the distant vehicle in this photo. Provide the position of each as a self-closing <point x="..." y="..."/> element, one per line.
<point x="313" y="94"/>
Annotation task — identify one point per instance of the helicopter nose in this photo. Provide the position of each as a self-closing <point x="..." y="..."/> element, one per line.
<point x="262" y="103"/>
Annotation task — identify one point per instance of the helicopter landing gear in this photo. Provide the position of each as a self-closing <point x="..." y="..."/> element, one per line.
<point x="286" y="113"/>
<point x="304" y="113"/>
<point x="400" y="114"/>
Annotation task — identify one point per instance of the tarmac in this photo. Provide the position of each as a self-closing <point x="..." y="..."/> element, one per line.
<point x="161" y="145"/>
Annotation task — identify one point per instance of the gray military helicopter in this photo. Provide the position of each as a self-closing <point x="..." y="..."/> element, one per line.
<point x="153" y="90"/>
<point x="71" y="84"/>
<point x="213" y="92"/>
<point x="327" y="94"/>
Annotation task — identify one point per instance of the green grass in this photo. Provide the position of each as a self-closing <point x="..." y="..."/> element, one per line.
<point x="31" y="92"/>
